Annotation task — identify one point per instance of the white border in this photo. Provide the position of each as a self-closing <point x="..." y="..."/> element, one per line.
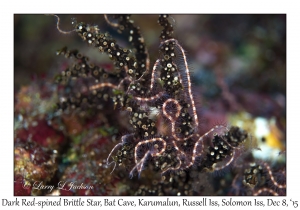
<point x="153" y="6"/>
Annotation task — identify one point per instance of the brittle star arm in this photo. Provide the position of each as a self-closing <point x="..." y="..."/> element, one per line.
<point x="115" y="147"/>
<point x="180" y="162"/>
<point x="102" y="85"/>
<point x="189" y="84"/>
<point x="153" y="153"/>
<point x="58" y="27"/>
<point x="260" y="191"/>
<point x="172" y="119"/>
<point x="268" y="168"/>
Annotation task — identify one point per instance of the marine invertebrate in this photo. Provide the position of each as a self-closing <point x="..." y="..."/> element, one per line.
<point x="162" y="94"/>
<point x="165" y="135"/>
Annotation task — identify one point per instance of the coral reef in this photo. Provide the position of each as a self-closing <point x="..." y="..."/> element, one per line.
<point x="141" y="124"/>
